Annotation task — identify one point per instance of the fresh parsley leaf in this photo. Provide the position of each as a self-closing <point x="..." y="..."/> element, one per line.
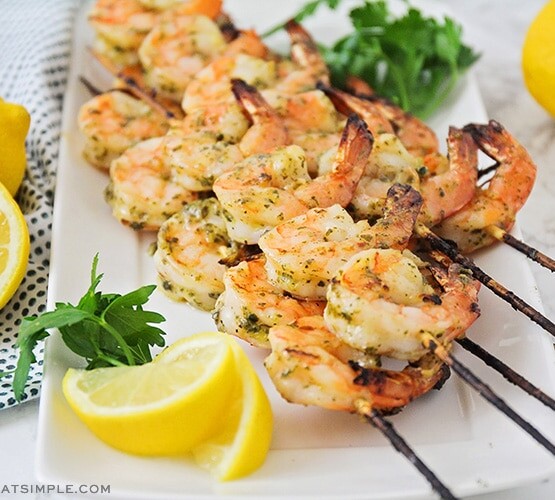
<point x="413" y="60"/>
<point x="105" y="329"/>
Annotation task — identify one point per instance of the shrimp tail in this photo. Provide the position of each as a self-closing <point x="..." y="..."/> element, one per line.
<point x="229" y="31"/>
<point x="268" y="130"/>
<point x="339" y="186"/>
<point x="357" y="86"/>
<point x="250" y="99"/>
<point x="302" y="43"/>
<point x="304" y="50"/>
<point x="395" y="228"/>
<point x="516" y="174"/>
<point x="355" y="144"/>
<point x="346" y="103"/>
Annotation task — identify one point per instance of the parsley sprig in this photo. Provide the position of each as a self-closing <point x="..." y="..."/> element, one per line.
<point x="105" y="329"/>
<point x="413" y="60"/>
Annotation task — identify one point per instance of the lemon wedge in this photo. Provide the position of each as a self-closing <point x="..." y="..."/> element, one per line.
<point x="538" y="58"/>
<point x="14" y="125"/>
<point x="243" y="444"/>
<point x="14" y="246"/>
<point x="165" y="407"/>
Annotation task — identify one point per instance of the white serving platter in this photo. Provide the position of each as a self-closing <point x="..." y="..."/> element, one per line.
<point x="315" y="453"/>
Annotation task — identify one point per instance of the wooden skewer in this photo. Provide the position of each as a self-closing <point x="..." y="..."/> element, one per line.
<point x="429" y="342"/>
<point x="531" y="253"/>
<point x="507" y="372"/>
<point x="514" y="300"/>
<point x="386" y="428"/>
<point x="89" y="86"/>
<point x="490" y="359"/>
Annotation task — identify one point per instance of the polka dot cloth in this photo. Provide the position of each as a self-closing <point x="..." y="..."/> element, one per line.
<point x="35" y="45"/>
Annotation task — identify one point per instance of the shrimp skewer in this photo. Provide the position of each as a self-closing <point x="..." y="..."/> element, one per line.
<point x="265" y="190"/>
<point x="385" y="117"/>
<point x="504" y="197"/>
<point x="311" y="366"/>
<point x="516" y="302"/>
<point x="121" y="26"/>
<point x="176" y="48"/>
<point x="304" y="253"/>
<point x="250" y="305"/>
<point x="444" y="192"/>
<point x="383" y="300"/>
<point x="144" y="190"/>
<point x="113" y="122"/>
<point x="190" y="245"/>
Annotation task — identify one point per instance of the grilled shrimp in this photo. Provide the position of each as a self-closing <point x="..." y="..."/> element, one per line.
<point x="309" y="365"/>
<point x="311" y="121"/>
<point x="389" y="163"/>
<point x="198" y="159"/>
<point x="244" y="58"/>
<point x="305" y="68"/>
<point x="225" y="120"/>
<point x="304" y="253"/>
<point x="498" y="204"/>
<point x="121" y="25"/>
<point x="143" y="191"/>
<point x="268" y="130"/>
<point x="176" y="49"/>
<point x="209" y="8"/>
<point x="381" y="301"/>
<point x="449" y="189"/>
<point x="384" y="117"/>
<point x="113" y="122"/>
<point x="190" y="245"/>
<point x="265" y="190"/>
<point x="250" y="305"/>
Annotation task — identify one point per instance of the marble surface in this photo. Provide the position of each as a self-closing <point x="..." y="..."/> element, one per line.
<point x="497" y="29"/>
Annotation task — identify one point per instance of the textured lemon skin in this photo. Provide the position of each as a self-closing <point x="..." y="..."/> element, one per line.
<point x="252" y="448"/>
<point x="246" y="426"/>
<point x="14" y="125"/>
<point x="538" y="58"/>
<point x="173" y="429"/>
<point x="18" y="246"/>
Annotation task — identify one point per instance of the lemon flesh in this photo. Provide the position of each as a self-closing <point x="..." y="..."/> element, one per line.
<point x="246" y="427"/>
<point x="14" y="125"/>
<point x="14" y="246"/>
<point x="160" y="408"/>
<point x="538" y="58"/>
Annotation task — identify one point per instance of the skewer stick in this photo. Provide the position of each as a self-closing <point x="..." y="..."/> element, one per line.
<point x="90" y="87"/>
<point x="514" y="300"/>
<point x="531" y="253"/>
<point x="507" y="372"/>
<point x="485" y="391"/>
<point x="386" y="428"/>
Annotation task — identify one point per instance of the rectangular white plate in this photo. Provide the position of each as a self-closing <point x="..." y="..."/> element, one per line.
<point x="470" y="445"/>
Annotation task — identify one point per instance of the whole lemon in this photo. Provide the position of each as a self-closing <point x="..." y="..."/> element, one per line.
<point x="14" y="125"/>
<point x="538" y="58"/>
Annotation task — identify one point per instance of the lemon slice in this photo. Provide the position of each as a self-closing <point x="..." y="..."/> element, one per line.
<point x="243" y="444"/>
<point x="538" y="57"/>
<point x="14" y="246"/>
<point x="159" y="408"/>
